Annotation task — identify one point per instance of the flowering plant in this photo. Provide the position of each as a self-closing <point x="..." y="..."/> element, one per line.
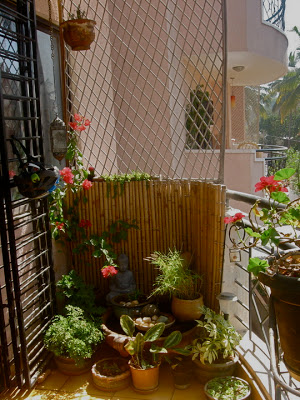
<point x="65" y="221"/>
<point x="276" y="226"/>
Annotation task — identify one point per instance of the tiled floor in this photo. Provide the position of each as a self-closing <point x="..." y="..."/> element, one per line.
<point x="61" y="387"/>
<point x="58" y="386"/>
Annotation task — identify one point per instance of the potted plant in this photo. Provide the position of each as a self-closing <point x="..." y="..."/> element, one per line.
<point x="181" y="369"/>
<point x="145" y="361"/>
<point x="277" y="226"/>
<point x="227" y="388"/>
<point x="73" y="339"/>
<point x="177" y="280"/>
<point x="78" y="31"/>
<point x="213" y="351"/>
<point x="111" y="374"/>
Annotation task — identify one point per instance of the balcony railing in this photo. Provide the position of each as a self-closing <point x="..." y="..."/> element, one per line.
<point x="254" y="313"/>
<point x="273" y="12"/>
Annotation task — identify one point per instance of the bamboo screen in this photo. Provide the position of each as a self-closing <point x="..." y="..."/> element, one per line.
<point x="170" y="214"/>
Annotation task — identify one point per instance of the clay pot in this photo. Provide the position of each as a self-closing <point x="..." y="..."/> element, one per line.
<point x="68" y="366"/>
<point x="186" y="310"/>
<point x="205" y="372"/>
<point x="144" y="380"/>
<point x="111" y="383"/>
<point x="79" y="33"/>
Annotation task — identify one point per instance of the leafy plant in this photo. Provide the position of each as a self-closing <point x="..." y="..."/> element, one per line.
<point x="122" y="178"/>
<point x="77" y="293"/>
<point x="143" y="357"/>
<point x="72" y="335"/>
<point x="78" y="15"/>
<point x="175" y="278"/>
<point x="266" y="226"/>
<point x="217" y="339"/>
<point x="227" y="388"/>
<point x="293" y="161"/>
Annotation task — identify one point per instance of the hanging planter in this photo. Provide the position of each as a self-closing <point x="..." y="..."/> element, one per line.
<point x="78" y="31"/>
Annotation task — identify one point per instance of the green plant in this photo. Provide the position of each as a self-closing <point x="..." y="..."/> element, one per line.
<point x="77" y="293"/>
<point x="268" y="226"/>
<point x="175" y="278"/>
<point x="72" y="335"/>
<point x="293" y="161"/>
<point x="143" y="357"/>
<point x="78" y="15"/>
<point x="198" y="119"/>
<point x="227" y="388"/>
<point x="217" y="339"/>
<point x="122" y="178"/>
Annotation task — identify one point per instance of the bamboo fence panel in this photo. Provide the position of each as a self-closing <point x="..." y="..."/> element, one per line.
<point x="187" y="215"/>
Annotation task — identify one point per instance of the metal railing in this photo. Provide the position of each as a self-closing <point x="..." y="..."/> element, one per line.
<point x="275" y="157"/>
<point x="256" y="314"/>
<point x="274" y="11"/>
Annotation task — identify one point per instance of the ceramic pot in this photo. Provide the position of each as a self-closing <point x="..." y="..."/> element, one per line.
<point x="68" y="366"/>
<point x="228" y="379"/>
<point x="144" y="380"/>
<point x="79" y="33"/>
<point x="205" y="372"/>
<point x="285" y="291"/>
<point x="111" y="383"/>
<point x="186" y="310"/>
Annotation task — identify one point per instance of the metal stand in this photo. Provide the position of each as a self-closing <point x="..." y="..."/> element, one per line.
<point x="274" y="356"/>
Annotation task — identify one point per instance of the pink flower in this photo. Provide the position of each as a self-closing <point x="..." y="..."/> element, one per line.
<point x="66" y="171"/>
<point x="237" y="217"/>
<point x="108" y="270"/>
<point x="86" y="184"/>
<point x="85" y="223"/>
<point x="11" y="173"/>
<point x="67" y="175"/>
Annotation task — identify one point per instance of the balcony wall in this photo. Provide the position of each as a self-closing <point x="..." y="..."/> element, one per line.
<point x="257" y="45"/>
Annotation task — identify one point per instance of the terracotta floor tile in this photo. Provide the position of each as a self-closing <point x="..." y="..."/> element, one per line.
<point x="83" y="385"/>
<point x="194" y="392"/>
<point x="54" y="381"/>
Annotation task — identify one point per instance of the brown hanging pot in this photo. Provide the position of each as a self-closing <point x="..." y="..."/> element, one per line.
<point x="79" y="33"/>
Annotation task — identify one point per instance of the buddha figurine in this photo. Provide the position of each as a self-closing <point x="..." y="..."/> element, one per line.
<point x="123" y="282"/>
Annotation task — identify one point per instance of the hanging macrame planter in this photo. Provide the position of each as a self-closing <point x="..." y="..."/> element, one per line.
<point x="79" y="33"/>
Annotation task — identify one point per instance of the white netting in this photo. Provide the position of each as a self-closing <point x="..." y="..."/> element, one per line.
<point x="152" y="85"/>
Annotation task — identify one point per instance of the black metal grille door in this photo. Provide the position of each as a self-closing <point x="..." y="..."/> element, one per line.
<point x="26" y="274"/>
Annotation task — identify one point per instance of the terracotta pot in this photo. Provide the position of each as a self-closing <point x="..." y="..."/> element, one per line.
<point x="79" y="33"/>
<point x="285" y="291"/>
<point x="68" y="366"/>
<point x="210" y="397"/>
<point x="145" y="380"/>
<point x="111" y="383"/>
<point x="186" y="310"/>
<point x="205" y="372"/>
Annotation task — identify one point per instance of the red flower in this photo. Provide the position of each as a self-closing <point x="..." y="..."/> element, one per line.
<point x="80" y="128"/>
<point x="85" y="223"/>
<point x="268" y="183"/>
<point x="86" y="184"/>
<point x="237" y="217"/>
<point x="87" y="122"/>
<point x="73" y="125"/>
<point x="108" y="270"/>
<point x="78" y="117"/>
<point x="66" y="171"/>
<point x="91" y="169"/>
<point x="67" y="175"/>
<point x="11" y="173"/>
<point x="59" y="225"/>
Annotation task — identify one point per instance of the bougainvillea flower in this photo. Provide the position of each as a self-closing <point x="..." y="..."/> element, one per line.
<point x="87" y="122"/>
<point x="237" y="217"/>
<point x="108" y="270"/>
<point x="86" y="184"/>
<point x="85" y="223"/>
